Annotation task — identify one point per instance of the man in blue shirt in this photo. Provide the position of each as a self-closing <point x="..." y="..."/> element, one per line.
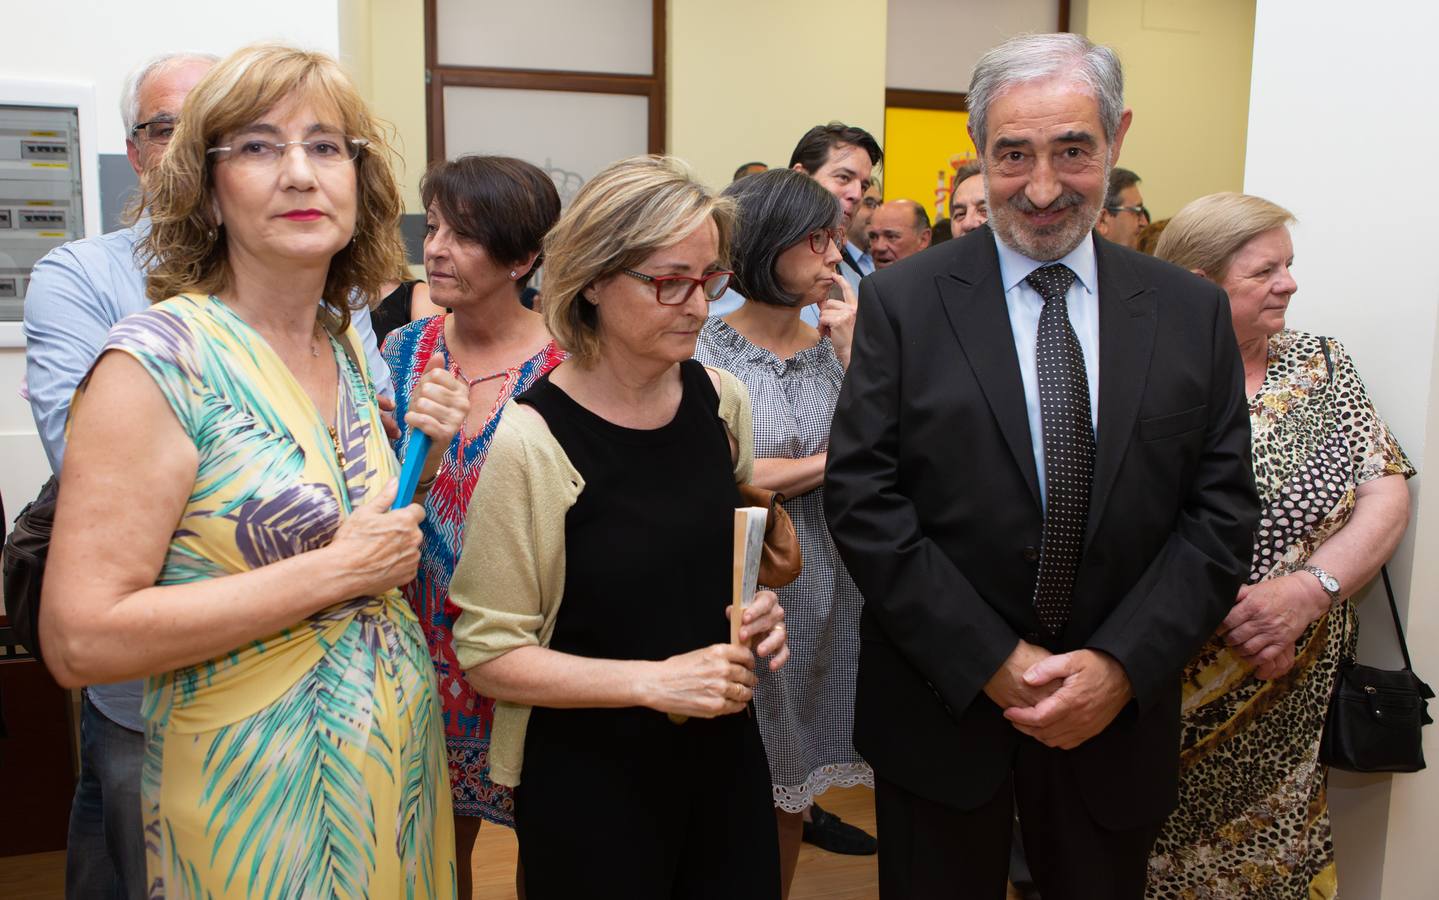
<point x="76" y="293"/>
<point x="858" y="260"/>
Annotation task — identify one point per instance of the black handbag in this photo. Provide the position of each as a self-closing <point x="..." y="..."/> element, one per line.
<point x="24" y="568"/>
<point x="1375" y="715"/>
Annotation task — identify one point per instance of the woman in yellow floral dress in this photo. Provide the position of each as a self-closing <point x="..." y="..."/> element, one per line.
<point x="1253" y="818"/>
<point x="225" y="524"/>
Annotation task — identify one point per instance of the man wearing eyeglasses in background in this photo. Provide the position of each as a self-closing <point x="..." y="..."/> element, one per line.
<point x="76" y="293"/>
<point x="856" y="252"/>
<point x="1124" y="215"/>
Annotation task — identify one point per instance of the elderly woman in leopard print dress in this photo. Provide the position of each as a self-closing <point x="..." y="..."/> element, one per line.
<point x="1253" y="818"/>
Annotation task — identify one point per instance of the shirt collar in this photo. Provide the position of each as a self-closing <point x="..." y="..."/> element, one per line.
<point x="854" y="251"/>
<point x="1014" y="266"/>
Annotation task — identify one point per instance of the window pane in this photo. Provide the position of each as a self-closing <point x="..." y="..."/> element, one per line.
<point x="612" y="36"/>
<point x="571" y="135"/>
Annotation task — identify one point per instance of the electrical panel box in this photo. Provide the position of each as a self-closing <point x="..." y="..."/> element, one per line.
<point x="41" y="194"/>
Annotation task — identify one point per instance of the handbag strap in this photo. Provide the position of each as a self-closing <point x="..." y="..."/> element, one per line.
<point x="1394" y="611"/>
<point x="1384" y="569"/>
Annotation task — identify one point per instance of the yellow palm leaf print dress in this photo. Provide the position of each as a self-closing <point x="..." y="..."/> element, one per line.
<point x="310" y="763"/>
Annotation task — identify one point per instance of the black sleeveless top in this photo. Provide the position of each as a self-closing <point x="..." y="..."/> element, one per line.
<point x="394" y="311"/>
<point x="649" y="542"/>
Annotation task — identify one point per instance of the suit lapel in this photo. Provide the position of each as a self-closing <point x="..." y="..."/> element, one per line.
<point x="1126" y="342"/>
<point x="973" y="300"/>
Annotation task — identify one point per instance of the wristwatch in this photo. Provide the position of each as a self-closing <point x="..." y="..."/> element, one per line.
<point x="1326" y="581"/>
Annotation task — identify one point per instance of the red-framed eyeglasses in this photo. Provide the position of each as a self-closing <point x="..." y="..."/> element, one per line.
<point x="672" y="290"/>
<point x="819" y="239"/>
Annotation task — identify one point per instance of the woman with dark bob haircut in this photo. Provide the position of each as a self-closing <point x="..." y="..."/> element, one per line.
<point x="485" y="220"/>
<point x="785" y="251"/>
<point x="225" y="527"/>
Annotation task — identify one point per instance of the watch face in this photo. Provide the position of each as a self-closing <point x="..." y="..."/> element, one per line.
<point x="1331" y="584"/>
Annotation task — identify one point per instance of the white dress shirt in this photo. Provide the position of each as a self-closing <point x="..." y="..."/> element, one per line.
<point x="1025" y="304"/>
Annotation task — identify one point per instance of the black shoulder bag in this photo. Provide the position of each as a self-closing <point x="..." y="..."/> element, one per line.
<point x="1375" y="715"/>
<point x="24" y="570"/>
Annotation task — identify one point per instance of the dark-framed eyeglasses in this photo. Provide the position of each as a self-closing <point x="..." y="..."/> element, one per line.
<point x="672" y="290"/>
<point x="1137" y="210"/>
<point x="155" y="131"/>
<point x="322" y="150"/>
<point x="820" y="238"/>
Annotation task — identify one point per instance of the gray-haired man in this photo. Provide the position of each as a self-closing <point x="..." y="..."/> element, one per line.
<point x="1039" y="479"/>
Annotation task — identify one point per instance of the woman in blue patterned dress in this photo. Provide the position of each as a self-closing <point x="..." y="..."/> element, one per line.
<point x="485" y="219"/>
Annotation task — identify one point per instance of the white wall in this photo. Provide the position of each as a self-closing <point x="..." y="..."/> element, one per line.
<point x="98" y="42"/>
<point x="101" y="40"/>
<point x="1339" y="130"/>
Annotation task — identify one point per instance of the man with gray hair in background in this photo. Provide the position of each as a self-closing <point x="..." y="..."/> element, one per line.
<point x="77" y="292"/>
<point x="1039" y="478"/>
<point x="967" y="207"/>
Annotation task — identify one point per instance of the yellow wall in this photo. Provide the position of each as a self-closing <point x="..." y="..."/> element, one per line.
<point x="919" y="145"/>
<point x="1187" y="68"/>
<point x="748" y="77"/>
<point x="740" y="85"/>
<point x="382" y="42"/>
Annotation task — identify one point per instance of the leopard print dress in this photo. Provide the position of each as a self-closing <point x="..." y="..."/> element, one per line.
<point x="1253" y="817"/>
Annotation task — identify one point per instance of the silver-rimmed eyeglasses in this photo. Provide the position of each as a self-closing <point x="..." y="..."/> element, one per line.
<point x="321" y="150"/>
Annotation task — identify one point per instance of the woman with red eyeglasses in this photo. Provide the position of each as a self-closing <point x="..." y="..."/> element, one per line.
<point x="784" y="258"/>
<point x="594" y="584"/>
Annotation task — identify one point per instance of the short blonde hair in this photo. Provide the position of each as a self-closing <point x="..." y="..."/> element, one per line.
<point x="621" y="216"/>
<point x="1206" y="234"/>
<point x="183" y="252"/>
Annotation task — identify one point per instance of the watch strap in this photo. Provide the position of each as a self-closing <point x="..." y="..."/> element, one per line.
<point x="1324" y="580"/>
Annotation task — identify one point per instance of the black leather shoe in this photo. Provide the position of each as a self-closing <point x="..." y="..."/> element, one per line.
<point x="829" y="832"/>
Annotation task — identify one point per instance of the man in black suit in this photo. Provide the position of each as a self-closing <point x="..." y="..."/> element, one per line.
<point x="1039" y="477"/>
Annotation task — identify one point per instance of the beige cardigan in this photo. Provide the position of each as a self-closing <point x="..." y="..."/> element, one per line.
<point x="511" y="571"/>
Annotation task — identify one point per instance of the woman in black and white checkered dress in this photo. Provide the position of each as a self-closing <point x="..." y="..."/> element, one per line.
<point x="784" y="258"/>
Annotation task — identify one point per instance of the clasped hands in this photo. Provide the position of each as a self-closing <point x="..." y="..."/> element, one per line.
<point x="1267" y="619"/>
<point x="1060" y="700"/>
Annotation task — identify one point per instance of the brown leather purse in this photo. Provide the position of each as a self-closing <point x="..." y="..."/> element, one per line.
<point x="781" y="561"/>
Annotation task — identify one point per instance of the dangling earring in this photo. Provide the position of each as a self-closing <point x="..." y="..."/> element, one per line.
<point x="210" y="235"/>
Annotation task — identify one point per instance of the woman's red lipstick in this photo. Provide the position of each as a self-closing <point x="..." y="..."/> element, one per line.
<point x="303" y="215"/>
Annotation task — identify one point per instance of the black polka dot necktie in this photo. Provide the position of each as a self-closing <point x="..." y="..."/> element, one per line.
<point x="1068" y="433"/>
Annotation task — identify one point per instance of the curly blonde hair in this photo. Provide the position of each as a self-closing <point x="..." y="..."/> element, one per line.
<point x="186" y="251"/>
<point x="628" y="211"/>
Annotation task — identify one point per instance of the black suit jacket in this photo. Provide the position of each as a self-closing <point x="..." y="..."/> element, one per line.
<point x="933" y="501"/>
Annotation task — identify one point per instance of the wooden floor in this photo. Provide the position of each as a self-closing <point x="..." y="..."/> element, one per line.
<point x="41" y="876"/>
